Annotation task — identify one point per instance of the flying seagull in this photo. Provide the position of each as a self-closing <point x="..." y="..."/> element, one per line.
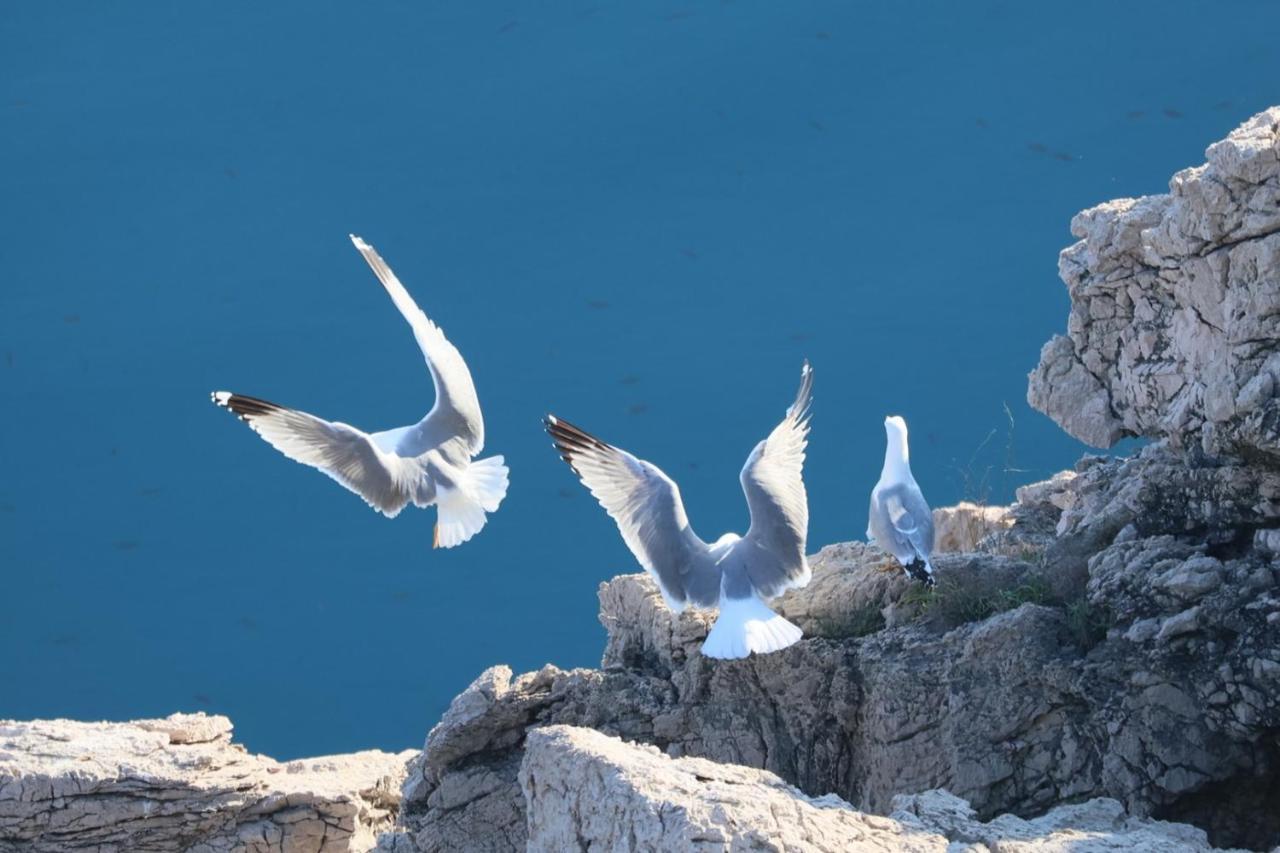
<point x="737" y="574"/>
<point x="900" y="521"/>
<point x="430" y="462"/>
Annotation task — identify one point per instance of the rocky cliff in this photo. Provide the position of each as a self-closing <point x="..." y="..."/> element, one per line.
<point x="1153" y="682"/>
<point x="1115" y="633"/>
<point x="1097" y="658"/>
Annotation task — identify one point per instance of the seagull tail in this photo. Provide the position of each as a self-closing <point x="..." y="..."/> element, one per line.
<point x="462" y="510"/>
<point x="747" y="625"/>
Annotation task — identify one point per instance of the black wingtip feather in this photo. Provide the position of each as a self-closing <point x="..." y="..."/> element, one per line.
<point x="245" y="407"/>
<point x="571" y="440"/>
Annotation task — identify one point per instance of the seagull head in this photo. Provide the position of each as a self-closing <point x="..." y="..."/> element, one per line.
<point x="896" y="452"/>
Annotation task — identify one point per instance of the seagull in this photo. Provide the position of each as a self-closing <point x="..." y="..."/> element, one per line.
<point x="430" y="462"/>
<point x="900" y="521"/>
<point x="737" y="574"/>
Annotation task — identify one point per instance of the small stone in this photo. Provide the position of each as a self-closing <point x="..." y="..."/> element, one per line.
<point x="1245" y="713"/>
<point x="1265" y="669"/>
<point x="1188" y="584"/>
<point x="1183" y="623"/>
<point x="1267" y="541"/>
<point x="1128" y="533"/>
<point x="1142" y="630"/>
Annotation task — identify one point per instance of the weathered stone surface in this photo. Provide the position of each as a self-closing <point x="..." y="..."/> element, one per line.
<point x="1081" y="671"/>
<point x="180" y="784"/>
<point x="1175" y="309"/>
<point x="1091" y="827"/>
<point x="463" y="787"/>
<point x="586" y="791"/>
<point x="963" y="526"/>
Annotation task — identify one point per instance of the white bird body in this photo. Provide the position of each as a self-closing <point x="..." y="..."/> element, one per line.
<point x="737" y="574"/>
<point x="429" y="462"/>
<point x="899" y="520"/>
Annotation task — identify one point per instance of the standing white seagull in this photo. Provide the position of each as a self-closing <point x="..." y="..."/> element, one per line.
<point x="900" y="521"/>
<point x="430" y="462"/>
<point x="737" y="574"/>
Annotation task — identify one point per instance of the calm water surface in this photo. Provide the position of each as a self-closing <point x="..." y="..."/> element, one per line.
<point x="639" y="216"/>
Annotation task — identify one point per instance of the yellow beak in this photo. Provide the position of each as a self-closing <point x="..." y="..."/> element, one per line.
<point x="435" y="540"/>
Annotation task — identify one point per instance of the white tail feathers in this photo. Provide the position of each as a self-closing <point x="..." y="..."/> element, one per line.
<point x="461" y="511"/>
<point x="487" y="479"/>
<point x="747" y="625"/>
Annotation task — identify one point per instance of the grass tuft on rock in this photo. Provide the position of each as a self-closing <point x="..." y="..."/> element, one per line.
<point x="1088" y="624"/>
<point x="972" y="597"/>
<point x="858" y="622"/>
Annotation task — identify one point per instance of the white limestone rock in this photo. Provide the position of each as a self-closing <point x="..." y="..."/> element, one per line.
<point x="586" y="791"/>
<point x="180" y="784"/>
<point x="1174" y="329"/>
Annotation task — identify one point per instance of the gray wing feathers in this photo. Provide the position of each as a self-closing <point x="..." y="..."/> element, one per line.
<point x="346" y="454"/>
<point x="773" y="483"/>
<point x="456" y="416"/>
<point x="646" y="505"/>
<point x="910" y="518"/>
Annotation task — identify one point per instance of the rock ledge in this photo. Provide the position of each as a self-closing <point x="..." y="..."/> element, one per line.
<point x="180" y="784"/>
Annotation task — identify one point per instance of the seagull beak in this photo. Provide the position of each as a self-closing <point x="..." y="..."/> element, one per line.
<point x="435" y="540"/>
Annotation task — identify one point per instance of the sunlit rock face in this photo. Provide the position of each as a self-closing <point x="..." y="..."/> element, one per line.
<point x="1174" y="329"/>
<point x="586" y="790"/>
<point x="181" y="784"/>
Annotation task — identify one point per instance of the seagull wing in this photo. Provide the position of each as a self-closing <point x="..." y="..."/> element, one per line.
<point x="455" y="418"/>
<point x="773" y="483"/>
<point x="385" y="482"/>
<point x="647" y="507"/>
<point x="910" y="518"/>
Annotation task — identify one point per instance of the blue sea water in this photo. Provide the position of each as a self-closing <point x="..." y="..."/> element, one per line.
<point x="640" y="216"/>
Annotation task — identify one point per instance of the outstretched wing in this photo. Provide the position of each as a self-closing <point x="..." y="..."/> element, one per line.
<point x="773" y="483"/>
<point x="455" y="417"/>
<point x="910" y="517"/>
<point x="646" y="505"/>
<point x="346" y="454"/>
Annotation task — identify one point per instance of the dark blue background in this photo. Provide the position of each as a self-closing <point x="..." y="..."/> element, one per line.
<point x="639" y="216"/>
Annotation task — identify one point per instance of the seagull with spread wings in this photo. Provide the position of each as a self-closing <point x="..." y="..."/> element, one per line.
<point x="736" y="574"/>
<point x="900" y="521"/>
<point x="430" y="462"/>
